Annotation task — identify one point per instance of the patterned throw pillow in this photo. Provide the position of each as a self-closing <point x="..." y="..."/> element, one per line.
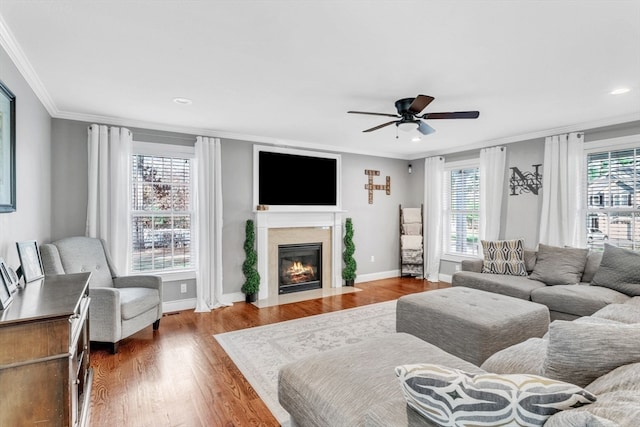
<point x="504" y="257"/>
<point x="451" y="397"/>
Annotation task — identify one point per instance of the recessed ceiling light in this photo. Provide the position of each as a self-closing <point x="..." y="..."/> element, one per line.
<point x="620" y="91"/>
<point x="182" y="101"/>
<point x="416" y="139"/>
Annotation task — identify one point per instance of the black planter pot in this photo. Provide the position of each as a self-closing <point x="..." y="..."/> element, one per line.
<point x="251" y="298"/>
<point x="348" y="282"/>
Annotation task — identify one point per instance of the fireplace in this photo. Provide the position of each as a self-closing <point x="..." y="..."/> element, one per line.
<point x="299" y="267"/>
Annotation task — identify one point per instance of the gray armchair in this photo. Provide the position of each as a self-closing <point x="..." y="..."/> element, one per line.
<point x="120" y="305"/>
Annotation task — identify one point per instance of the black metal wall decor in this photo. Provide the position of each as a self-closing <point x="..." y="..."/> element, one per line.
<point x="525" y="181"/>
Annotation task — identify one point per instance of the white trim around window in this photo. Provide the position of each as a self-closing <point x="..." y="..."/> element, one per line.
<point x="448" y="167"/>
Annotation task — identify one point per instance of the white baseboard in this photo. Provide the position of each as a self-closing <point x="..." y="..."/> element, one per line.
<point x="377" y="276"/>
<point x="233" y="297"/>
<point x="444" y="278"/>
<point x="190" y="303"/>
<point x="178" y="305"/>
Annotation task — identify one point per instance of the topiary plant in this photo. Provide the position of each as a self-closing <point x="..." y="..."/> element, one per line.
<point x="349" y="270"/>
<point x="252" y="277"/>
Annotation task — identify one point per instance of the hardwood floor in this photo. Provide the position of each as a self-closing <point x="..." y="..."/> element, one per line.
<point x="180" y="376"/>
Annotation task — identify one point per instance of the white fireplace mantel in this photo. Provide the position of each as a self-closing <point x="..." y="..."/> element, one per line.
<point x="290" y="219"/>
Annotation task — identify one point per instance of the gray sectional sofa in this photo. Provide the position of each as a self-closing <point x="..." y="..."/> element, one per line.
<point x="356" y="385"/>
<point x="561" y="284"/>
<point x="599" y="351"/>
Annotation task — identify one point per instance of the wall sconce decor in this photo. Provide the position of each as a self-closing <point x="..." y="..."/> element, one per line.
<point x="371" y="186"/>
<point x="525" y="181"/>
<point x="410" y="169"/>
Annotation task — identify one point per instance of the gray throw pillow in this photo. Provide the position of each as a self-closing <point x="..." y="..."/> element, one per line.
<point x="580" y="352"/>
<point x="619" y="270"/>
<point x="559" y="266"/>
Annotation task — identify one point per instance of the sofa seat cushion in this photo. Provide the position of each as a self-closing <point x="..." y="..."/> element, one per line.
<point x="135" y="301"/>
<point x="338" y="387"/>
<point x="452" y="397"/>
<point x="513" y="286"/>
<point x="623" y="313"/>
<point x="578" y="300"/>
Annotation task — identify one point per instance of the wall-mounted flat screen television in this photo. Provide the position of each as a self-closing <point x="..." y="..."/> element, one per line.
<point x="297" y="178"/>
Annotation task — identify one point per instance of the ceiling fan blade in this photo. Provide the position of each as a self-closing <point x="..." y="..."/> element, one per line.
<point x="374" y="114"/>
<point x="420" y="103"/>
<point x="380" y="126"/>
<point x="454" y="115"/>
<point x="425" y="129"/>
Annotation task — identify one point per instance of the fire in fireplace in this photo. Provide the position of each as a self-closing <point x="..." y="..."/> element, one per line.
<point x="299" y="267"/>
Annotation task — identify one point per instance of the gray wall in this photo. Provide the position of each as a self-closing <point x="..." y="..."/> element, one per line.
<point x="375" y="225"/>
<point x="521" y="214"/>
<point x="32" y="219"/>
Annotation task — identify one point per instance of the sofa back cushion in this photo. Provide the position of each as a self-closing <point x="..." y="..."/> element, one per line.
<point x="530" y="257"/>
<point x="559" y="266"/>
<point x="582" y="351"/>
<point x="618" y="402"/>
<point x="593" y="263"/>
<point x="619" y="270"/>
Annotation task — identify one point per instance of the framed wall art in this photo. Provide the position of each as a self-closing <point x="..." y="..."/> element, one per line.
<point x="7" y="150"/>
<point x="5" y="294"/>
<point x="30" y="260"/>
<point x="9" y="276"/>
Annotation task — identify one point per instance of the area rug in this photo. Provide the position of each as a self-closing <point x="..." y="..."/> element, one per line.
<point x="260" y="352"/>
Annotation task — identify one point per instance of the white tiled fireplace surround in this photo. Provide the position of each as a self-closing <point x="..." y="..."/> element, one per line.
<point x="277" y="228"/>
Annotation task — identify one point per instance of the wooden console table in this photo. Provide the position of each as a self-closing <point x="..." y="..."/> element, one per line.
<point x="45" y="377"/>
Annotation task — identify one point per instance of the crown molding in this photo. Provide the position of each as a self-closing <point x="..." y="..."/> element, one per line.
<point x="577" y="127"/>
<point x="13" y="49"/>
<point x="287" y="143"/>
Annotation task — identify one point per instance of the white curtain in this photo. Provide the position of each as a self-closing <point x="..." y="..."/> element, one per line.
<point x="433" y="215"/>
<point x="561" y="222"/>
<point x="109" y="151"/>
<point x="208" y="203"/>
<point x="492" y="178"/>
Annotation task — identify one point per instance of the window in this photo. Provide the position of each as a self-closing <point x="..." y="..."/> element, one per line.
<point x="463" y="209"/>
<point x="613" y="198"/>
<point x="161" y="210"/>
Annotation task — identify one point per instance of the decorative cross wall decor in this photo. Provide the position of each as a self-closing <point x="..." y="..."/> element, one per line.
<point x="525" y="181"/>
<point x="371" y="186"/>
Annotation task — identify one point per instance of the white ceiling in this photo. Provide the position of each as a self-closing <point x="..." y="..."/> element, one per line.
<point x="288" y="71"/>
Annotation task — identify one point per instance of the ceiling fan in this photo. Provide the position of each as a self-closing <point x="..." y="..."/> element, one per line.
<point x="408" y="110"/>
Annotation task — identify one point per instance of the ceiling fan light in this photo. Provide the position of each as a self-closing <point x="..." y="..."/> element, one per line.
<point x="407" y="126"/>
<point x="620" y="91"/>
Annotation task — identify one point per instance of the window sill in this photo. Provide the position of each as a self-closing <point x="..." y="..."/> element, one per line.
<point x="169" y="276"/>
<point x="458" y="257"/>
